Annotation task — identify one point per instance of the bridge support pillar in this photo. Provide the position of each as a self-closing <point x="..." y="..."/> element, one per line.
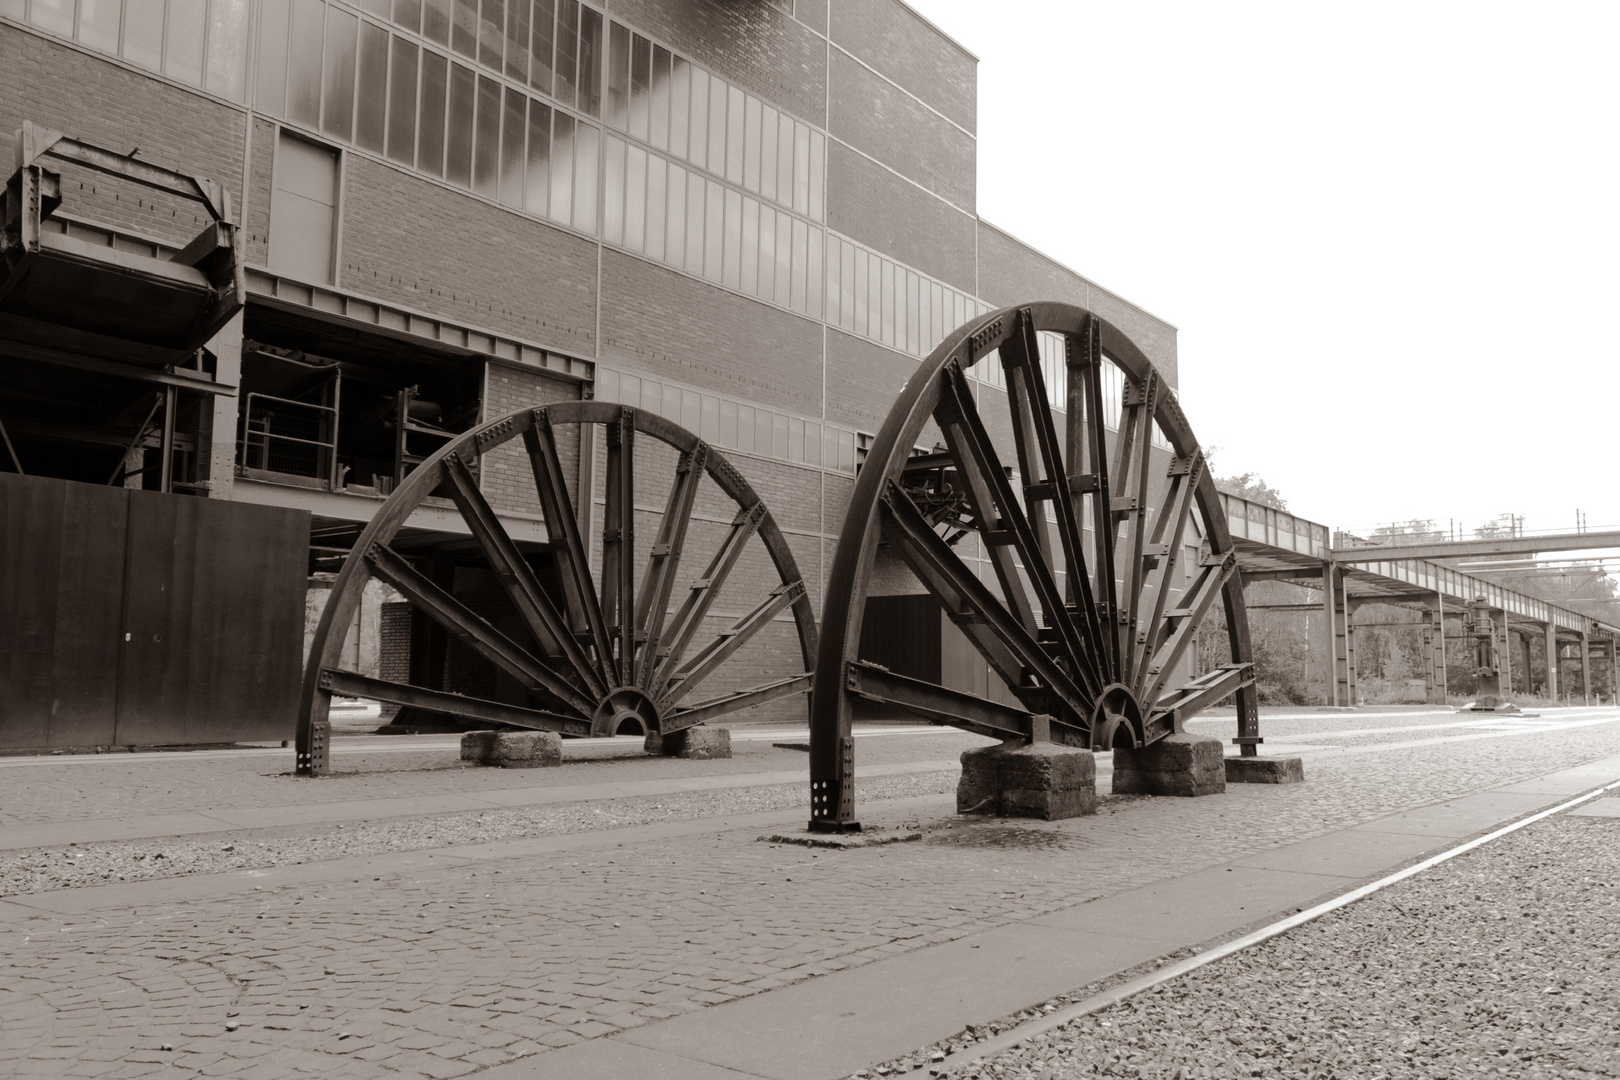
<point x="1614" y="673"/>
<point x="1524" y="658"/>
<point x="1434" y="648"/>
<point x="1339" y="610"/>
<point x="1506" y="652"/>
<point x="1586" y="669"/>
<point x="1551" y="632"/>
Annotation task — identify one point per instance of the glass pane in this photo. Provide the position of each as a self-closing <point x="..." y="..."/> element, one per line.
<point x="537" y="181"/>
<point x="464" y="28"/>
<point x="635" y="199"/>
<point x="698" y="113"/>
<point x="767" y="152"/>
<point x="671" y="407"/>
<point x="613" y="192"/>
<point x="728" y="423"/>
<point x="587" y="148"/>
<point x="680" y="100"/>
<point x="567" y="54"/>
<point x="675" y="244"/>
<point x="143" y="30"/>
<point x="913" y="341"/>
<point x="691" y="415"/>
<point x="436" y="19"/>
<point x="874" y="298"/>
<point x="750" y="247"/>
<point x="801" y="256"/>
<point x="734" y="134"/>
<point x="658" y="119"/>
<point x="379" y="8"/>
<point x="766" y="290"/>
<point x="795" y="446"/>
<point x="731" y="269"/>
<point x="818" y="150"/>
<point x="337" y="83"/>
<point x="709" y="426"/>
<point x="513" y="122"/>
<point x="430" y="132"/>
<point x="56" y="16"/>
<point x="402" y="102"/>
<point x="750" y="168"/>
<point x="784" y="159"/>
<point x="696" y="199"/>
<point x="18" y="9"/>
<point x="618" y="77"/>
<point x="784" y="259"/>
<point x="745" y="428"/>
<point x="371" y="97"/>
<point x="717" y="126"/>
<point x="779" y="447"/>
<point x="640" y="85"/>
<point x="801" y="168"/>
<point x="227" y="44"/>
<point x="829" y="448"/>
<point x="850" y="292"/>
<point x="812" y="443"/>
<point x="487" y="151"/>
<point x="887" y="302"/>
<point x="762" y="432"/>
<point x="656" y="171"/>
<point x="540" y="45"/>
<point x="517" y="39"/>
<point x="590" y="61"/>
<point x="491" y="33"/>
<point x="714" y="233"/>
<point x="925" y="321"/>
<point x="861" y="287"/>
<point x="408" y="14"/>
<point x="562" y="167"/>
<point x="458" y="157"/>
<point x="270" y="90"/>
<point x="98" y="21"/>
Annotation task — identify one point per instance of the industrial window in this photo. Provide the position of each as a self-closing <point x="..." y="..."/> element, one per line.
<point x="303" y="210"/>
<point x="202" y="43"/>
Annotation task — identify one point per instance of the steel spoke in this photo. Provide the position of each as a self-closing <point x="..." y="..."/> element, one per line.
<point x="1141" y="405"/>
<point x="619" y="545"/>
<point x="1032" y="412"/>
<point x="704" y="711"/>
<point x="1211" y="580"/>
<point x="474" y="632"/>
<point x="349" y="684"/>
<point x="703" y="592"/>
<point x="579" y="590"/>
<point x="541" y="616"/>
<point x="652" y="601"/>
<point x="971" y="605"/>
<point x="1161" y="556"/>
<point x="712" y="655"/>
<point x="1096" y="484"/>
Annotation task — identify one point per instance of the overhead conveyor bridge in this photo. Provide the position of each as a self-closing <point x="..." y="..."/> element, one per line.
<point x="1274" y="545"/>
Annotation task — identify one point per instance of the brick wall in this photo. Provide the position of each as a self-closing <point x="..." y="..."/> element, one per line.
<point x="903" y="46"/>
<point x="756" y="46"/>
<point x="869" y="204"/>
<point x="256" y="209"/>
<point x="662" y="322"/>
<point x="868" y="112"/>
<point x="505" y="473"/>
<point x="863" y="379"/>
<point x="108" y="105"/>
<point x="422" y="245"/>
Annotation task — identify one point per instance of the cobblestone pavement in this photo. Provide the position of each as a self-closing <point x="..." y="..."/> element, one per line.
<point x="439" y="973"/>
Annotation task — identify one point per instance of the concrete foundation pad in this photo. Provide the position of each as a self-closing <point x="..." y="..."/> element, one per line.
<point x="1032" y="780"/>
<point x="1605" y="808"/>
<point x="1181" y="764"/>
<point x="1265" y="770"/>
<point x="513" y="749"/>
<point x="1347" y="854"/>
<point x="699" y="743"/>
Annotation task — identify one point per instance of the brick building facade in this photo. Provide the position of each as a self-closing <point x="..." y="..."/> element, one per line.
<point x="752" y="218"/>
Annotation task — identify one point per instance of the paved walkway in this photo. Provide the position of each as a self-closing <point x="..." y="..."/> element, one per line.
<point x="689" y="949"/>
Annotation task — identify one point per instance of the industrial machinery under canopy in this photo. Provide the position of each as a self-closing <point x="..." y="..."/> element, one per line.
<point x="1089" y="536"/>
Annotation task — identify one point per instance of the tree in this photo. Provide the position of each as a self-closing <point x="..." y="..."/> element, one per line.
<point x="1249" y="486"/>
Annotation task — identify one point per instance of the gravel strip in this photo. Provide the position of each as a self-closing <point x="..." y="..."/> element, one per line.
<point x="1501" y="962"/>
<point x="83" y="865"/>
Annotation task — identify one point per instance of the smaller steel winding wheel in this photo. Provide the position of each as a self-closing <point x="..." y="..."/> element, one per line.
<point x="1091" y="613"/>
<point x="598" y="658"/>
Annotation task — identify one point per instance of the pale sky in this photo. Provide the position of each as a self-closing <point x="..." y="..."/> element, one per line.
<point x="1387" y="232"/>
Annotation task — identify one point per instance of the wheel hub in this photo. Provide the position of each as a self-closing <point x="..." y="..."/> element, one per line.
<point x="625" y="706"/>
<point x="1117" y="720"/>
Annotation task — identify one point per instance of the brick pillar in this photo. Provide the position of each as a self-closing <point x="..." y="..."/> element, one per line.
<point x="218" y="462"/>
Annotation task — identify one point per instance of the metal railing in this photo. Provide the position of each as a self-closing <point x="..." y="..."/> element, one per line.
<point x="293" y="438"/>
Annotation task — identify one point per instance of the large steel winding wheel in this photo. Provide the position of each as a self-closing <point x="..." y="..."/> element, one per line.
<point x="1088" y="612"/>
<point x="597" y="660"/>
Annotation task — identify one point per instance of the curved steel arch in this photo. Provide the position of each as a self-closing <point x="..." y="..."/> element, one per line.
<point x="1094" y="653"/>
<point x="605" y="655"/>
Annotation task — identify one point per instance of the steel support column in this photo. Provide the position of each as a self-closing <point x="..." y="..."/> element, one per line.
<point x="1586" y="669"/>
<point x="1551" y="633"/>
<point x="1506" y="652"/>
<point x="1524" y="657"/>
<point x="1340" y="610"/>
<point x="1434" y="648"/>
<point x="1614" y="673"/>
<point x="218" y="461"/>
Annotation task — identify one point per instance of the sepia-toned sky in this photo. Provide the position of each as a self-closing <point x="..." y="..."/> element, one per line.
<point x="1389" y="233"/>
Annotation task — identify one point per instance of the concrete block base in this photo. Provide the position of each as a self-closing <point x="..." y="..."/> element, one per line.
<point x="513" y="749"/>
<point x="1180" y="764"/>
<point x="699" y="743"/>
<point x="1265" y="770"/>
<point x="1033" y="780"/>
